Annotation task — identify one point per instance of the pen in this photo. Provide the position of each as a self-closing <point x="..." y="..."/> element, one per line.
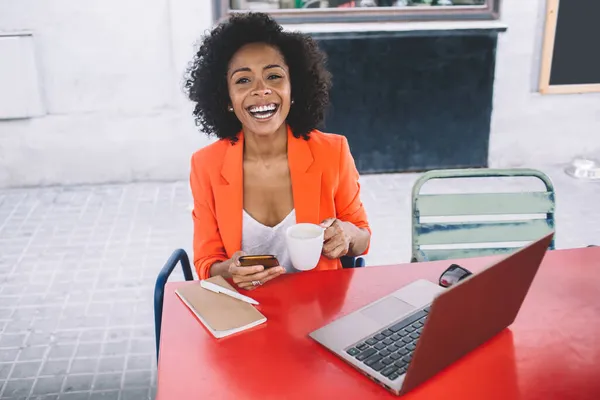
<point x="219" y="289"/>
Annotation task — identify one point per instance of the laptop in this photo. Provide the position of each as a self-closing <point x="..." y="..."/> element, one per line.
<point x="408" y="336"/>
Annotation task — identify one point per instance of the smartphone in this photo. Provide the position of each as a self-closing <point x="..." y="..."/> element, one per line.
<point x="266" y="260"/>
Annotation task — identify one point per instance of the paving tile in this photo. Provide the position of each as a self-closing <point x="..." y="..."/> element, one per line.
<point x="108" y="381"/>
<point x="8" y="340"/>
<point x="33" y="353"/>
<point x="24" y="313"/>
<point x="115" y="348"/>
<point x="54" y="367"/>
<point x="77" y="383"/>
<point x="91" y="349"/>
<point x="140" y="362"/>
<point x="5" y="369"/>
<point x="37" y="338"/>
<point x="143" y="346"/>
<point x="74" y="396"/>
<point x="28" y="369"/>
<point x="9" y="355"/>
<point x="92" y="335"/>
<point x="46" y="324"/>
<point x="17" y="388"/>
<point x="62" y="351"/>
<point x="46" y="397"/>
<point x="83" y="366"/>
<point x="48" y="385"/>
<point x="111" y="364"/>
<point x="144" y="332"/>
<point x="135" y="394"/>
<point x="105" y="395"/>
<point x="137" y="379"/>
<point x="119" y="334"/>
<point x="17" y="326"/>
<point x="6" y="312"/>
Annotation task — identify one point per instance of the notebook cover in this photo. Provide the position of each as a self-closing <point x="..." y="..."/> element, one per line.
<point x="219" y="311"/>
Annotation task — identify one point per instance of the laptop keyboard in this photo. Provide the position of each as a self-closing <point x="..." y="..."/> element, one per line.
<point x="390" y="351"/>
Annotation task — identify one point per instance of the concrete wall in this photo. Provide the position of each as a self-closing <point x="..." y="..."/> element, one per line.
<point x="111" y="71"/>
<point x="529" y="128"/>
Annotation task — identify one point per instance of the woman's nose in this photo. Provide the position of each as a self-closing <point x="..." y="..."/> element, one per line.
<point x="261" y="92"/>
<point x="261" y="89"/>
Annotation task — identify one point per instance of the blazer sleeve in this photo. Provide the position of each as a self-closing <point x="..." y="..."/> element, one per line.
<point x="348" y="204"/>
<point x="208" y="246"/>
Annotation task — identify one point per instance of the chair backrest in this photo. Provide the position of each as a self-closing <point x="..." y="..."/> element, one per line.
<point x="178" y="256"/>
<point x="464" y="233"/>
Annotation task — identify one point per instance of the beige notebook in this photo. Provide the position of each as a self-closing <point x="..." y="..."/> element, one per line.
<point x="221" y="314"/>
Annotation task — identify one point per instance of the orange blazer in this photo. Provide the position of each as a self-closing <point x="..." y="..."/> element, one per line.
<point x="324" y="185"/>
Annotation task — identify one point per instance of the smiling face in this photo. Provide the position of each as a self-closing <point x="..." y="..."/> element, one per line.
<point x="259" y="88"/>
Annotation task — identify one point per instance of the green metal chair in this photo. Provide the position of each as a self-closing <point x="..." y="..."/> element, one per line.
<point x="444" y="240"/>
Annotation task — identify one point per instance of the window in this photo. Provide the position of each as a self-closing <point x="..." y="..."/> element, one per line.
<point x="305" y="11"/>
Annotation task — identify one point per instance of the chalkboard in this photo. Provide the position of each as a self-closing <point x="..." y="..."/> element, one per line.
<point x="571" y="51"/>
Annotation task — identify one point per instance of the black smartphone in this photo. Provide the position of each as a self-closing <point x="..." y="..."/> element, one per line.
<point x="266" y="260"/>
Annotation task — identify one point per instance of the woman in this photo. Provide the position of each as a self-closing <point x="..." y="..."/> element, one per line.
<point x="263" y="92"/>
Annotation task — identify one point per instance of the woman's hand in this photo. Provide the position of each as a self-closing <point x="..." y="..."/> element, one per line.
<point x="336" y="239"/>
<point x="251" y="277"/>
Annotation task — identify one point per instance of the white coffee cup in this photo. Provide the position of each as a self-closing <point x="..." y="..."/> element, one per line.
<point x="304" y="244"/>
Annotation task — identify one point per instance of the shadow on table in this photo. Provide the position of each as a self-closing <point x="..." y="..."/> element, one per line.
<point x="489" y="372"/>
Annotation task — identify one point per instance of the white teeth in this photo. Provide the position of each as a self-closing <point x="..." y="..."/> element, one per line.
<point x="268" y="107"/>
<point x="263" y="116"/>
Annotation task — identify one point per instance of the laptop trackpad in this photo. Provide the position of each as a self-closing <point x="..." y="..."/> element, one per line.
<point x="387" y="310"/>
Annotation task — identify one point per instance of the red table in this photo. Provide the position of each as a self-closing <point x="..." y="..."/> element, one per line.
<point x="552" y="351"/>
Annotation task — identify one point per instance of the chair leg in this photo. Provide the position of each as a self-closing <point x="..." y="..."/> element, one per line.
<point x="159" y="295"/>
<point x="178" y="256"/>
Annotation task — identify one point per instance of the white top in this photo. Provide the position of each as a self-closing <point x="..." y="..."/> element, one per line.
<point x="258" y="239"/>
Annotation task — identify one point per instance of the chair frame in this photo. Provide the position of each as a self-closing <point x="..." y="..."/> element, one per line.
<point x="178" y="256"/>
<point x="545" y="201"/>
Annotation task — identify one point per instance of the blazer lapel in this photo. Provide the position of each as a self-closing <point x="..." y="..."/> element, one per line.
<point x="229" y="198"/>
<point x="229" y="195"/>
<point x="306" y="180"/>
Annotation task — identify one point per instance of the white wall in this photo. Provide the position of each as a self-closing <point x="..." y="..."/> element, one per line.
<point x="111" y="71"/>
<point x="529" y="128"/>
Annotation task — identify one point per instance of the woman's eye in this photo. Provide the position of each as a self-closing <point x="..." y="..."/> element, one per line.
<point x="274" y="76"/>
<point x="242" y="80"/>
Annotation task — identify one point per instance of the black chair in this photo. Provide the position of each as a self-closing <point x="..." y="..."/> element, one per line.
<point x="180" y="256"/>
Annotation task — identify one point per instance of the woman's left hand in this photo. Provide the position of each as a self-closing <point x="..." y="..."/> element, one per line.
<point x="336" y="239"/>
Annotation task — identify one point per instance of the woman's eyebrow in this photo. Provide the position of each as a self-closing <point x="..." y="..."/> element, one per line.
<point x="246" y="69"/>
<point x="242" y="69"/>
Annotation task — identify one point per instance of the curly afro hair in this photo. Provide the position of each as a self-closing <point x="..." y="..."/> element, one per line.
<point x="206" y="81"/>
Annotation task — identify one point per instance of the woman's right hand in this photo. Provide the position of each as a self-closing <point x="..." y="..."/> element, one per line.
<point x="251" y="277"/>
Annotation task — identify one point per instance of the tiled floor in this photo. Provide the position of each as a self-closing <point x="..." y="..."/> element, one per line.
<point x="77" y="269"/>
